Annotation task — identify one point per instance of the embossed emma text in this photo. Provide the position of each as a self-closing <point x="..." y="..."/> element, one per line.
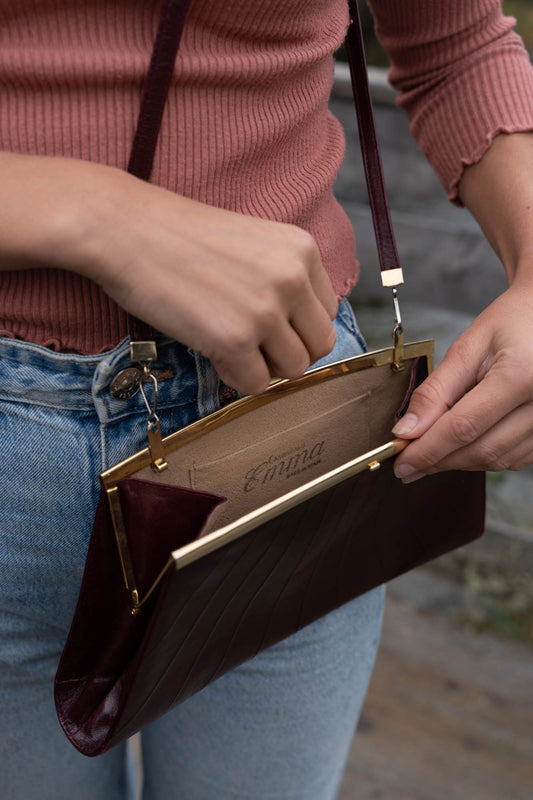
<point x="286" y="468"/>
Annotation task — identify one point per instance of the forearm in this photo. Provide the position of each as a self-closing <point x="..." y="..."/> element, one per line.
<point x="499" y="193"/>
<point x="54" y="211"/>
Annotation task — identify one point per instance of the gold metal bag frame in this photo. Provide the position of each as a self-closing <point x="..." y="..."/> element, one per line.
<point x="180" y="450"/>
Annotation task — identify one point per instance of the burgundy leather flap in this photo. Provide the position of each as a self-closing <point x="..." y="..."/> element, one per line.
<point x="160" y="518"/>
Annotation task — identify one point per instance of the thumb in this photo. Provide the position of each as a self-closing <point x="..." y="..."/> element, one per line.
<point x="450" y="381"/>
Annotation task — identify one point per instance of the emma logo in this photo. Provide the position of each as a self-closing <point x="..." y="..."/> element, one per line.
<point x="286" y="466"/>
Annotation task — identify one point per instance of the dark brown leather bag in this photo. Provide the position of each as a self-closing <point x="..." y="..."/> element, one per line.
<point x="235" y="532"/>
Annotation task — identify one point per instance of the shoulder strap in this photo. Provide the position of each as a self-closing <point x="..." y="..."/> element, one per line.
<point x="151" y="113"/>
<point x="391" y="271"/>
<point x="156" y="88"/>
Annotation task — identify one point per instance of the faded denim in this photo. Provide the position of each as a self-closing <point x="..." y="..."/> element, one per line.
<point x="278" y="727"/>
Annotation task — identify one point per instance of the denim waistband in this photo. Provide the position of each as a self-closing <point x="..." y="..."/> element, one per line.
<point x="30" y="373"/>
<point x="34" y="374"/>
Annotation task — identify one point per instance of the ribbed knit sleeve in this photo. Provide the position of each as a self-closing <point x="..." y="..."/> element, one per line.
<point x="464" y="77"/>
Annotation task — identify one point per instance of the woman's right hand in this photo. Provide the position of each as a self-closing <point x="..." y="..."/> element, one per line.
<point x="249" y="294"/>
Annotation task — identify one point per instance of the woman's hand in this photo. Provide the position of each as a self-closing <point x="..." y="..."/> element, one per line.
<point x="249" y="294"/>
<point x="475" y="411"/>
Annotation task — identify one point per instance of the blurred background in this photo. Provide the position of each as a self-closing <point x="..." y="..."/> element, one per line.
<point x="450" y="709"/>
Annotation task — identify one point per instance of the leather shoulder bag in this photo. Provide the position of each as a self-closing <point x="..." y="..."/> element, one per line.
<point x="221" y="539"/>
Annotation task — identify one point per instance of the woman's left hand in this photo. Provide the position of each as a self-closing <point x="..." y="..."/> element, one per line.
<point x="475" y="411"/>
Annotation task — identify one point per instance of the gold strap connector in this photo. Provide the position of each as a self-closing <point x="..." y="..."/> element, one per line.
<point x="142" y="352"/>
<point x="392" y="277"/>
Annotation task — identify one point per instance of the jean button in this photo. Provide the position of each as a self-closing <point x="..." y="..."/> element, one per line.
<point x="126" y="383"/>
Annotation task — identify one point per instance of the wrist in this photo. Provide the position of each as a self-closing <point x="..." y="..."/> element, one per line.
<point x="520" y="273"/>
<point x="87" y="234"/>
<point x="81" y="231"/>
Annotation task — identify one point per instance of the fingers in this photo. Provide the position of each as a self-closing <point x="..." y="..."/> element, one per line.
<point x="285" y="353"/>
<point x="312" y="322"/>
<point x="250" y="375"/>
<point x="250" y="294"/>
<point x="322" y="288"/>
<point x="476" y="409"/>
<point x="471" y="417"/>
<point x="507" y="445"/>
<point x="487" y="428"/>
<point x="289" y="325"/>
<point x="447" y="384"/>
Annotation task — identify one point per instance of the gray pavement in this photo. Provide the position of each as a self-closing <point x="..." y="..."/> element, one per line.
<point x="448" y="714"/>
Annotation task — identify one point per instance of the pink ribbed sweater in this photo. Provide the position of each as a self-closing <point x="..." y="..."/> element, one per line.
<point x="246" y="125"/>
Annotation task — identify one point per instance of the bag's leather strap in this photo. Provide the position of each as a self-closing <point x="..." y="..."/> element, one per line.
<point x="151" y="113"/>
<point x="156" y="87"/>
<point x="391" y="271"/>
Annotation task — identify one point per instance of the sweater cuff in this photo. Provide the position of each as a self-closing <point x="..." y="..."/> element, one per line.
<point x="459" y="123"/>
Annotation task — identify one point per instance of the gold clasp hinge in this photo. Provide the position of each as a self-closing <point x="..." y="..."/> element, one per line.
<point x="123" y="547"/>
<point x="124" y="552"/>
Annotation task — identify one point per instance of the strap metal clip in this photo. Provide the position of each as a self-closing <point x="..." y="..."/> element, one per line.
<point x="144" y="353"/>
<point x="397" y="334"/>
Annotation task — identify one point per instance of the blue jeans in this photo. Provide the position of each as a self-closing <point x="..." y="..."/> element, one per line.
<point x="277" y="727"/>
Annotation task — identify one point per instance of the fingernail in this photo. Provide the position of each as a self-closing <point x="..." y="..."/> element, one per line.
<point x="407" y="473"/>
<point x="405" y="425"/>
<point x="414" y="476"/>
